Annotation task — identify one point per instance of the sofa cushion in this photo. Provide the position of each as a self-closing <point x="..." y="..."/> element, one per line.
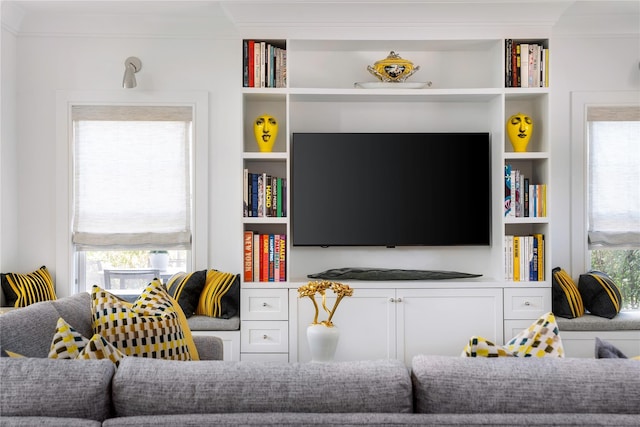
<point x="525" y="385"/>
<point x="29" y="330"/>
<point x="186" y="289"/>
<point x="21" y="290"/>
<point x="221" y="387"/>
<point x="55" y="388"/>
<point x="153" y="326"/>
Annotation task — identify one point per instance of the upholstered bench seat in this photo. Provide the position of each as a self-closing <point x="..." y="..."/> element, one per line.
<point x="624" y="321"/>
<point x="579" y="334"/>
<point x="206" y="323"/>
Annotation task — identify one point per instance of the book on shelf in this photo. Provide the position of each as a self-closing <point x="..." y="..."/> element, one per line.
<point x="265" y="257"/>
<point x="264" y="195"/>
<point x="524" y="258"/>
<point x="522" y="199"/>
<point x="264" y="64"/>
<point x="526" y="64"/>
<point x="248" y="256"/>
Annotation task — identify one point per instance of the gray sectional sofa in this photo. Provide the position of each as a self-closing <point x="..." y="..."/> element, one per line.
<point x="434" y="390"/>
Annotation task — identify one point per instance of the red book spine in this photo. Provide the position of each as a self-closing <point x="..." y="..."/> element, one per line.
<point x="251" y="61"/>
<point x="248" y="256"/>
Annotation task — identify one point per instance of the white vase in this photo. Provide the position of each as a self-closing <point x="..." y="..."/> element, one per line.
<point x="323" y="341"/>
<point x="159" y="261"/>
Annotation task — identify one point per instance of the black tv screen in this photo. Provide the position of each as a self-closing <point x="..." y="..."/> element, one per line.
<point x="390" y="189"/>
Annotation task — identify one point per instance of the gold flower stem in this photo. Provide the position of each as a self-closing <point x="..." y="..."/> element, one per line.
<point x="315" y="305"/>
<point x="335" y="306"/>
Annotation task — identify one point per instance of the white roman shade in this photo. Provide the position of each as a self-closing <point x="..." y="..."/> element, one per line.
<point x="614" y="177"/>
<point x="132" y="177"/>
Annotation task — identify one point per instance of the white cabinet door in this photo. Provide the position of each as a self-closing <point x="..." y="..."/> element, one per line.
<point x="441" y="321"/>
<point x="366" y="321"/>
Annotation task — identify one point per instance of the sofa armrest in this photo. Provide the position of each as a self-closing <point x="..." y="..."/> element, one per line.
<point x="209" y="347"/>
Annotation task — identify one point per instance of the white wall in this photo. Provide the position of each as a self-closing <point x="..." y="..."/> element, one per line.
<point x="8" y="154"/>
<point x="58" y="62"/>
<point x="54" y="60"/>
<point x="582" y="63"/>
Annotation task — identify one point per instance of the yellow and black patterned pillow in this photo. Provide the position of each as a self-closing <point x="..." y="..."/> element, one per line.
<point x="600" y="294"/>
<point x="186" y="289"/>
<point x="99" y="348"/>
<point x="482" y="347"/>
<point x="22" y="290"/>
<point x="152" y="326"/>
<point x="541" y="339"/>
<point x="220" y="296"/>
<point x="68" y="343"/>
<point x="565" y="297"/>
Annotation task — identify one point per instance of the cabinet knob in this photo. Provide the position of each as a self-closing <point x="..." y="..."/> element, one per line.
<point x="527" y="303"/>
<point x="264" y="337"/>
<point x="399" y="300"/>
<point x="264" y="304"/>
<point x="392" y="300"/>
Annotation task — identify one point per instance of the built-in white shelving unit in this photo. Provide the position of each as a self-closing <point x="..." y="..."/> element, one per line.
<point x="468" y="94"/>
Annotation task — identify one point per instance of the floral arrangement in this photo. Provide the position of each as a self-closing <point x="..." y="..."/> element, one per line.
<point x="312" y="288"/>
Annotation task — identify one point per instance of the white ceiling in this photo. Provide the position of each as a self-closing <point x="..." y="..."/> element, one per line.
<point x="196" y="17"/>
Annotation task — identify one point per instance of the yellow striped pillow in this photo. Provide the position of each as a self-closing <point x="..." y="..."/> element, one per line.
<point x="221" y="295"/>
<point x="600" y="294"/>
<point x="186" y="289"/>
<point x="22" y="290"/>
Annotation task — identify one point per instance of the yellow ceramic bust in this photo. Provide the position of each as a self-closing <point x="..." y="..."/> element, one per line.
<point x="519" y="129"/>
<point x="265" y="129"/>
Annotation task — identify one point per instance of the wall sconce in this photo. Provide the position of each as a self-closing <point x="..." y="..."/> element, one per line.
<point x="131" y="66"/>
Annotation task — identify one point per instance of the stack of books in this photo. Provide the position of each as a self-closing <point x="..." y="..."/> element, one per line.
<point x="265" y="257"/>
<point x="524" y="258"/>
<point x="264" y="195"/>
<point x="523" y="199"/>
<point x="264" y="64"/>
<point x="526" y="64"/>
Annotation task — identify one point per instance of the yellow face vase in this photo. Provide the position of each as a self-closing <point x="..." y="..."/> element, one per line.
<point x="265" y="129"/>
<point x="519" y="129"/>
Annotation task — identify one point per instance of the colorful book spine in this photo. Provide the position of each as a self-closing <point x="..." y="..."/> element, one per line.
<point x="248" y="256"/>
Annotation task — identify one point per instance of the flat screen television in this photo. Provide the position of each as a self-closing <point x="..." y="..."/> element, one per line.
<point x="391" y="189"/>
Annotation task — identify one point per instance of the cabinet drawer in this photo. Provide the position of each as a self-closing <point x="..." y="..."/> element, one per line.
<point x="264" y="304"/>
<point x="264" y="336"/>
<point x="526" y="303"/>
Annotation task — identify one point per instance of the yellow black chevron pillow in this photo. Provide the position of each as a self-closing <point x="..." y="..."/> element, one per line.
<point x="600" y="294"/>
<point x="221" y="295"/>
<point x="152" y="326"/>
<point x="186" y="289"/>
<point x="22" y="290"/>
<point x="566" y="300"/>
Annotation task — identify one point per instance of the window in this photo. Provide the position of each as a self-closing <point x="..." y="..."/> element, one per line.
<point x="613" y="196"/>
<point x="132" y="193"/>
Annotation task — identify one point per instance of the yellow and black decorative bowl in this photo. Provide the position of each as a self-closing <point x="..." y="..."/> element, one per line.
<point x="393" y="68"/>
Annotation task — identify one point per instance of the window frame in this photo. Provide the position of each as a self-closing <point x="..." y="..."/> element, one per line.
<point x="65" y="100"/>
<point x="580" y="102"/>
